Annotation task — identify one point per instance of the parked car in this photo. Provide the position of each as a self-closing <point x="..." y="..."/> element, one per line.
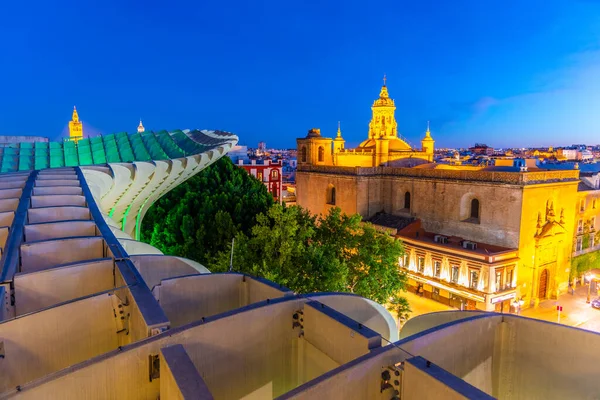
<point x="596" y="303"/>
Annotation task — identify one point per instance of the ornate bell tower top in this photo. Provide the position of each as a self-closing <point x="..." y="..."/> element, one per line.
<point x="75" y="127"/>
<point x="383" y="123"/>
<point x="75" y="117"/>
<point x="140" y="127"/>
<point x="384" y="98"/>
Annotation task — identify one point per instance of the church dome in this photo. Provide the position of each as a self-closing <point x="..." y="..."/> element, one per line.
<point x="395" y="144"/>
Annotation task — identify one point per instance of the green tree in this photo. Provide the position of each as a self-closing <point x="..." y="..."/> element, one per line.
<point x="337" y="253"/>
<point x="198" y="218"/>
<point x="399" y="306"/>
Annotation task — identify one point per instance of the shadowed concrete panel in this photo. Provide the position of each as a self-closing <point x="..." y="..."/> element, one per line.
<point x="36" y="256"/>
<point x="57" y="200"/>
<point x="423" y="322"/>
<point x="133" y="247"/>
<point x="64" y="171"/>
<point x="360" y="379"/>
<point x="8" y="204"/>
<point x="336" y="335"/>
<point x="471" y="360"/>
<point x="53" y="339"/>
<point x="49" y="175"/>
<point x="179" y="378"/>
<point x="235" y="356"/>
<point x="59" y="229"/>
<point x="56" y="182"/>
<point x="35" y="215"/>
<point x="425" y="380"/>
<point x="3" y="235"/>
<point x="190" y="298"/>
<point x="366" y="311"/>
<point x="529" y="365"/>
<point x="38" y="290"/>
<point x="3" y="312"/>
<point x="10" y="193"/>
<point x="6" y="218"/>
<point x="259" y="290"/>
<point x="41" y="191"/>
<point x="12" y="184"/>
<point x="155" y="268"/>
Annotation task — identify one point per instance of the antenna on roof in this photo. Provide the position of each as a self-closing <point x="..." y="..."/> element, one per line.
<point x="231" y="259"/>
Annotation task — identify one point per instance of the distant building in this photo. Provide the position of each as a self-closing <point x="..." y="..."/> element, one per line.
<point x="7" y="141"/>
<point x="269" y="173"/>
<point x="585" y="155"/>
<point x="567" y="154"/>
<point x="481" y="149"/>
<point x="75" y="127"/>
<point x="262" y="146"/>
<point x="239" y="153"/>
<point x="140" y="127"/>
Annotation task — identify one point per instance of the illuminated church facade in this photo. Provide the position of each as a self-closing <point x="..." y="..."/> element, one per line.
<point x="489" y="237"/>
<point x="384" y="144"/>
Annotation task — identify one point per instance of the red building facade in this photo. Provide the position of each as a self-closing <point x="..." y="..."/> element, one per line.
<point x="268" y="172"/>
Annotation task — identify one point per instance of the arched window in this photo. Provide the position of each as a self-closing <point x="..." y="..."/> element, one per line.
<point x="303" y="154"/>
<point x="321" y="154"/>
<point x="475" y="209"/>
<point x="331" y="195"/>
<point x="407" y="200"/>
<point x="274" y="174"/>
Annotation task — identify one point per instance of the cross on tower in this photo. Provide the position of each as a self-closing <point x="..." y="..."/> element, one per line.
<point x="384" y="79"/>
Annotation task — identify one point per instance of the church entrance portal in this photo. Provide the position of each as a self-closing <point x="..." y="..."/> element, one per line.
<point x="543" y="284"/>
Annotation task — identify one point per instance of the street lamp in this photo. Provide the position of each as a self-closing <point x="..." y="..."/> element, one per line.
<point x="589" y="278"/>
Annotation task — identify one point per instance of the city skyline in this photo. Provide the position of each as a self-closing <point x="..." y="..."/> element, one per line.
<point x="506" y="75"/>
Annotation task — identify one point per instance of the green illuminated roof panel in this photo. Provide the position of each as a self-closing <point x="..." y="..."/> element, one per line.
<point x="98" y="150"/>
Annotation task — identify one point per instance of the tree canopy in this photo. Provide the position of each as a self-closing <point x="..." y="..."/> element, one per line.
<point x="336" y="253"/>
<point x="198" y="218"/>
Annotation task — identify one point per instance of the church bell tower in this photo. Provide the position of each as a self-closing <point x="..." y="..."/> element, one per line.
<point x="75" y="127"/>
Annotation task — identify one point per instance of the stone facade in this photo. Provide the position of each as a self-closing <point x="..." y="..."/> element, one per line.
<point x="530" y="212"/>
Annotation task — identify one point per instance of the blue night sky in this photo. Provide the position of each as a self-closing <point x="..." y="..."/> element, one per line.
<point x="512" y="72"/>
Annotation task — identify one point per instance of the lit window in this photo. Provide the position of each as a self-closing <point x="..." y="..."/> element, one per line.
<point x="473" y="279"/>
<point x="498" y="280"/>
<point x="421" y="265"/>
<point x="275" y="174"/>
<point x="579" y="245"/>
<point x="259" y="176"/>
<point x="437" y="268"/>
<point x="455" y="270"/>
<point x="509" y="278"/>
<point x="405" y="260"/>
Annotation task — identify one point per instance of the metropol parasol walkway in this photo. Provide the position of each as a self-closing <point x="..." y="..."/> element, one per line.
<point x="89" y="312"/>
